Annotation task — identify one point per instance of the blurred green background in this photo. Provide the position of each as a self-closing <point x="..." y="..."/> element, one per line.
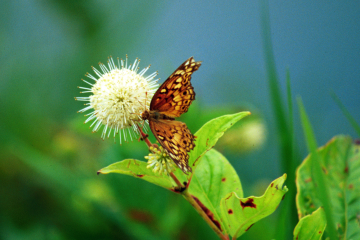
<point x="48" y="183"/>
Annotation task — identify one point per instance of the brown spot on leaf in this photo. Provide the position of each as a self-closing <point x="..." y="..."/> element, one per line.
<point x="272" y="184"/>
<point x="229" y="197"/>
<point x="324" y="170"/>
<point x="249" y="227"/>
<point x="308" y="180"/>
<point x="320" y="232"/>
<point x="140" y="216"/>
<point x="351" y="186"/>
<point x="139" y="175"/>
<point x="223" y="179"/>
<point x="98" y="172"/>
<point x="283" y="197"/>
<point x="230" y="211"/>
<point x="346" y="170"/>
<point x="357" y="141"/>
<point x="207" y="212"/>
<point x="248" y="203"/>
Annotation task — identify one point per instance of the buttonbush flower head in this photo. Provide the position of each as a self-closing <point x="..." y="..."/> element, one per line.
<point x="160" y="161"/>
<point x="119" y="95"/>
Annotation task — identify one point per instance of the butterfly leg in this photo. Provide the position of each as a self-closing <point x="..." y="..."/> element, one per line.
<point x="143" y="137"/>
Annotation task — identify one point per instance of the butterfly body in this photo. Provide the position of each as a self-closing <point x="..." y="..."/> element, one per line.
<point x="155" y="115"/>
<point x="172" y="99"/>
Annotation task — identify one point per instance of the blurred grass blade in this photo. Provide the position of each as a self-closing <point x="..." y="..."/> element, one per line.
<point x="286" y="137"/>
<point x="347" y="114"/>
<point x="288" y="208"/>
<point x="290" y="106"/>
<point x="293" y="153"/>
<point x="311" y="227"/>
<point x="274" y="88"/>
<point x="316" y="169"/>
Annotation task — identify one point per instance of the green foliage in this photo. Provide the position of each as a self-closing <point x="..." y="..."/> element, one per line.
<point x="239" y="214"/>
<point x="311" y="227"/>
<point x="137" y="168"/>
<point x="214" y="179"/>
<point x="340" y="163"/>
<point x="208" y="135"/>
<point x="213" y="188"/>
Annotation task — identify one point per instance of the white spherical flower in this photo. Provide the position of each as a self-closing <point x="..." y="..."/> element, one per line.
<point x="119" y="95"/>
<point x="160" y="161"/>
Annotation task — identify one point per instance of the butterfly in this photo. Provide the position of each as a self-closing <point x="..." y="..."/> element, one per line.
<point x="172" y="99"/>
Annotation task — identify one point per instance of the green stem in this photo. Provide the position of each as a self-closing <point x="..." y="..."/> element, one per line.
<point x="144" y="137"/>
<point x="180" y="185"/>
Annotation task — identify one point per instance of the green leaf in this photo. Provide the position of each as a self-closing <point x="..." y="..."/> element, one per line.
<point x="311" y="227"/>
<point x="213" y="180"/>
<point x="208" y="135"/>
<point x="138" y="169"/>
<point x="340" y="161"/>
<point x="239" y="214"/>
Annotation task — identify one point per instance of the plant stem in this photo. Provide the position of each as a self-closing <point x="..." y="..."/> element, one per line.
<point x="180" y="185"/>
<point x="197" y="207"/>
<point x="144" y="137"/>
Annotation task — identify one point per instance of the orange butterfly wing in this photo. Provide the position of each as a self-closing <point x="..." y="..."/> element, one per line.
<point x="172" y="99"/>
<point x="176" y="138"/>
<point x="175" y="95"/>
